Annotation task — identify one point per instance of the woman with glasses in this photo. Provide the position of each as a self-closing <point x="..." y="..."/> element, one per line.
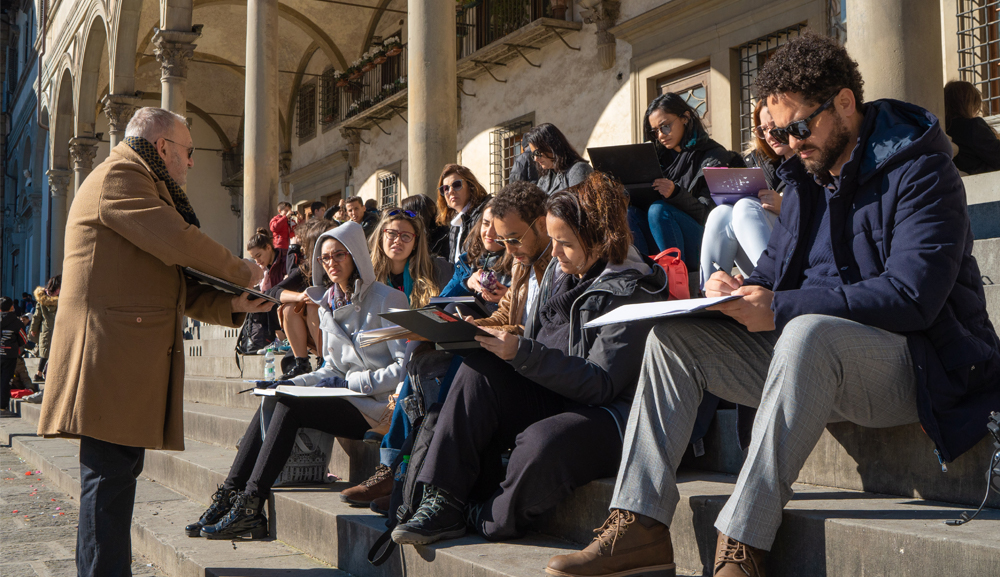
<point x="684" y="149"/>
<point x="485" y="267"/>
<point x="460" y="200"/>
<point x="559" y="164"/>
<point x="350" y="300"/>
<point x="738" y="234"/>
<point x="400" y="257"/>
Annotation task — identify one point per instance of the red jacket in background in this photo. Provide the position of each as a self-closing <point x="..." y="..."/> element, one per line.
<point x="282" y="230"/>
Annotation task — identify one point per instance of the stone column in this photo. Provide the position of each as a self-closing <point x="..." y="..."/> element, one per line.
<point x="119" y="109"/>
<point x="82" y="151"/>
<point x="59" y="179"/>
<point x="897" y="44"/>
<point x="260" y="142"/>
<point x="173" y="49"/>
<point x="432" y="98"/>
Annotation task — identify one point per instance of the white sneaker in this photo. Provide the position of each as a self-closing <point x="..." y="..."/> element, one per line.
<point x="34" y="399"/>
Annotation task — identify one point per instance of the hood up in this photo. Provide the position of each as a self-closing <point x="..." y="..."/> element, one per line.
<point x="352" y="236"/>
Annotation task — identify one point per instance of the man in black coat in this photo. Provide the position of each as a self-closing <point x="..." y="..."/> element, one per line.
<point x="12" y="340"/>
<point x="866" y="307"/>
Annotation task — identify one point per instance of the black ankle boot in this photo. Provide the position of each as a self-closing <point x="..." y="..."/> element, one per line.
<point x="301" y="367"/>
<point x="440" y="516"/>
<point x="222" y="501"/>
<point x="245" y="520"/>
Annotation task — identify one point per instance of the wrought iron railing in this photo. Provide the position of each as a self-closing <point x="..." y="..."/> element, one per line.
<point x="347" y="95"/>
<point x="753" y="55"/>
<point x="979" y="49"/>
<point x="484" y="21"/>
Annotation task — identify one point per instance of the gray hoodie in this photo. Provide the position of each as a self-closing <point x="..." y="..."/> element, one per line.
<point x="375" y="370"/>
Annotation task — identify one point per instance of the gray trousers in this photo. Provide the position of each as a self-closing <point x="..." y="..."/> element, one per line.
<point x="819" y="370"/>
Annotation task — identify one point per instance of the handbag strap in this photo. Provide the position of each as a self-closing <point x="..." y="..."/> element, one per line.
<point x="382" y="549"/>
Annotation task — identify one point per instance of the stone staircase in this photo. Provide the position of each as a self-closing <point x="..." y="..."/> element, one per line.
<point x="867" y="502"/>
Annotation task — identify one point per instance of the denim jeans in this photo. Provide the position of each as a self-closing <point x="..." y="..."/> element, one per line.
<point x="107" y="495"/>
<point x="671" y="227"/>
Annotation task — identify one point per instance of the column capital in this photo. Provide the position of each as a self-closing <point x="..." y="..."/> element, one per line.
<point x="603" y="13"/>
<point x="173" y="49"/>
<point x="119" y="109"/>
<point x="59" y="179"/>
<point x="82" y="151"/>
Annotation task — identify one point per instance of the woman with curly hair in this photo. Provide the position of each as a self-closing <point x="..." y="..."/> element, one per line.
<point x="400" y="258"/>
<point x="460" y="200"/>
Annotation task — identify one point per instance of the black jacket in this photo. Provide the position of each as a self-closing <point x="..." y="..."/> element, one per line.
<point x="455" y="240"/>
<point x="603" y="366"/>
<point x="978" y="145"/>
<point x="684" y="168"/>
<point x="12" y="337"/>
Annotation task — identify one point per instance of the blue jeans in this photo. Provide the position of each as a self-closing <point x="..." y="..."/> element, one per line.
<point x="107" y="495"/>
<point x="671" y="227"/>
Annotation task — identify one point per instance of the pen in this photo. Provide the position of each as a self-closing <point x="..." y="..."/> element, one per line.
<point x="246" y="390"/>
<point x="716" y="266"/>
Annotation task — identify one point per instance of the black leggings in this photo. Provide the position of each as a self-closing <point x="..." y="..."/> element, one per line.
<point x="258" y="463"/>
<point x="42" y="361"/>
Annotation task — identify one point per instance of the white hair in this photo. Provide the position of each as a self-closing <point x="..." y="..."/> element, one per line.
<point x="153" y="123"/>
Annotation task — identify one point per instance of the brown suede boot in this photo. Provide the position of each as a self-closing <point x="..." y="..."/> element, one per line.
<point x="374" y="435"/>
<point x="623" y="546"/>
<point x="378" y="485"/>
<point x="735" y="559"/>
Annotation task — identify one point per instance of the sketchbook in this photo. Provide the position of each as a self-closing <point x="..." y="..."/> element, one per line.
<point x="295" y="391"/>
<point x="644" y="311"/>
<point x="445" y="331"/>
<point x="226" y="286"/>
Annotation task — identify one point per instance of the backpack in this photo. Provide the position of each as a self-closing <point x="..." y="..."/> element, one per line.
<point x="677" y="273"/>
<point x="253" y="337"/>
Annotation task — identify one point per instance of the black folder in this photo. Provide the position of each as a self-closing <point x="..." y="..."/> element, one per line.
<point x="445" y="331"/>
<point x="636" y="166"/>
<point x="226" y="286"/>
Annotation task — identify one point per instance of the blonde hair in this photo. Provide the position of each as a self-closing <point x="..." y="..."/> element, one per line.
<point x="420" y="264"/>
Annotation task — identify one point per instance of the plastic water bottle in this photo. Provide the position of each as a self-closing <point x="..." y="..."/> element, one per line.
<point x="269" y="363"/>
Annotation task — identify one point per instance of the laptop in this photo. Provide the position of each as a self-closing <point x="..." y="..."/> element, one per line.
<point x="727" y="185"/>
<point x="636" y="166"/>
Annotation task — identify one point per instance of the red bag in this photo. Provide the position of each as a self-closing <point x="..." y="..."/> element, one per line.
<point x="18" y="393"/>
<point x="677" y="273"/>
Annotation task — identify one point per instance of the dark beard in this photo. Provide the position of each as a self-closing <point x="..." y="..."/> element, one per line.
<point x="829" y="154"/>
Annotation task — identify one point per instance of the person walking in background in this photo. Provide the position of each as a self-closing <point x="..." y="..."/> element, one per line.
<point x="560" y="166"/>
<point x="47" y="299"/>
<point x="117" y="339"/>
<point x="978" y="145"/>
<point x="12" y="341"/>
<point x="282" y="227"/>
<point x="460" y="200"/>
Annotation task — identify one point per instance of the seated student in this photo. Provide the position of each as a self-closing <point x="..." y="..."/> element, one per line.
<point x="560" y="166"/>
<point x="737" y="233"/>
<point x="400" y="257"/>
<point x="298" y="314"/>
<point x="437" y="235"/>
<point x="684" y="149"/>
<point x="524" y="167"/>
<point x="978" y="145"/>
<point x="460" y="200"/>
<point x="484" y="260"/>
<point x="836" y="324"/>
<point x="351" y="303"/>
<point x="272" y="260"/>
<point x="558" y="396"/>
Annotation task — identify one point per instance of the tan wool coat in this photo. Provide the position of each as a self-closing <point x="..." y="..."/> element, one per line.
<point x="116" y="366"/>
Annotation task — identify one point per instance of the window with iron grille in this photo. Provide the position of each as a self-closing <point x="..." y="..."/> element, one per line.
<point x="753" y="55"/>
<point x="329" y="98"/>
<point x="388" y="189"/>
<point x="979" y="49"/>
<point x="505" y="147"/>
<point x="306" y="111"/>
<point x="693" y="87"/>
<point x="837" y="20"/>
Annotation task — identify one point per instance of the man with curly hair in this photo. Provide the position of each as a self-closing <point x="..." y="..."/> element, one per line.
<point x="866" y="307"/>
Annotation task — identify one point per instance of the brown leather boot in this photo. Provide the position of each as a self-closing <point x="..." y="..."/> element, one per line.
<point x="374" y="435"/>
<point x="735" y="559"/>
<point x="378" y="485"/>
<point x="623" y="547"/>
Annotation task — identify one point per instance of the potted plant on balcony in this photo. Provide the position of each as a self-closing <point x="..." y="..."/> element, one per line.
<point x="354" y="72"/>
<point x="367" y="62"/>
<point x="340" y="79"/>
<point x="559" y="8"/>
<point x="378" y="54"/>
<point x="393" y="46"/>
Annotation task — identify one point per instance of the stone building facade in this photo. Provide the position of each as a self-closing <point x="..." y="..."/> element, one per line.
<point x="305" y="100"/>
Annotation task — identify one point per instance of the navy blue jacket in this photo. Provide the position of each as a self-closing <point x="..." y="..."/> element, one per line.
<point x="902" y="241"/>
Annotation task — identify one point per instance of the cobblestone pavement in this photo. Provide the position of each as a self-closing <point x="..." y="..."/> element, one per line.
<point x="38" y="525"/>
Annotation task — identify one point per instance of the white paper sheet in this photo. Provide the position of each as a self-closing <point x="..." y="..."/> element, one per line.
<point x="293" y="391"/>
<point x="643" y="311"/>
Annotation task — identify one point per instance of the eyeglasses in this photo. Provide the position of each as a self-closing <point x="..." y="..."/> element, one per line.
<point x="455" y="187"/>
<point x="190" y="149"/>
<point x="800" y="128"/>
<point x="392" y="235"/>
<point x="408" y="213"/>
<point x="760" y="132"/>
<point x="665" y="129"/>
<point x="337" y="257"/>
<point x="509" y="242"/>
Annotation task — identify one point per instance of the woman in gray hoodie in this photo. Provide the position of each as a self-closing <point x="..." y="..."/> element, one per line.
<point x="351" y="302"/>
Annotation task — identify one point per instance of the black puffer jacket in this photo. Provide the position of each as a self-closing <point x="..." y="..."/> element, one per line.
<point x="12" y="336"/>
<point x="684" y="168"/>
<point x="602" y="368"/>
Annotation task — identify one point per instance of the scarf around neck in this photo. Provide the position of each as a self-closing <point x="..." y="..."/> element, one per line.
<point x="147" y="152"/>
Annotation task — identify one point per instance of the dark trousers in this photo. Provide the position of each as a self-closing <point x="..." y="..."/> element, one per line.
<point x="8" y="366"/>
<point x="558" y="445"/>
<point x="259" y="462"/>
<point x="107" y="495"/>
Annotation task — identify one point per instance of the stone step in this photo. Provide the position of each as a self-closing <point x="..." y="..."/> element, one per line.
<point x="987" y="253"/>
<point x="159" y="517"/>
<point x="225" y="367"/>
<point x="207" y="331"/>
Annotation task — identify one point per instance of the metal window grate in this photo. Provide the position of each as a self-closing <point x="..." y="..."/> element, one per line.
<point x="837" y="24"/>
<point x="505" y="146"/>
<point x="481" y="22"/>
<point x="979" y="49"/>
<point x="329" y="98"/>
<point x="753" y="55"/>
<point x="306" y="111"/>
<point x="388" y="189"/>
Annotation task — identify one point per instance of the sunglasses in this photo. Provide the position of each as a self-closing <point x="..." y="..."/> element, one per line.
<point x="337" y="257"/>
<point x="408" y="213"/>
<point x="190" y="149"/>
<point x="800" y="128"/>
<point x="392" y="235"/>
<point x="455" y="187"/>
<point x="665" y="129"/>
<point x="509" y="242"/>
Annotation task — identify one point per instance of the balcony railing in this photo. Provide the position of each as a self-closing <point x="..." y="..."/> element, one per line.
<point x="485" y="21"/>
<point x="347" y="96"/>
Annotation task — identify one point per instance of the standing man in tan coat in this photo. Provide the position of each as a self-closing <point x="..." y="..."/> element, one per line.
<point x="116" y="368"/>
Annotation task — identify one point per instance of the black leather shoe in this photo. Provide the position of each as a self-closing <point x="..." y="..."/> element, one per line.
<point x="222" y="501"/>
<point x="245" y="520"/>
<point x="440" y="516"/>
<point x="299" y="368"/>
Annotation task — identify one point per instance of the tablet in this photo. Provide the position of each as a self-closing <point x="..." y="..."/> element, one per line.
<point x="727" y="185"/>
